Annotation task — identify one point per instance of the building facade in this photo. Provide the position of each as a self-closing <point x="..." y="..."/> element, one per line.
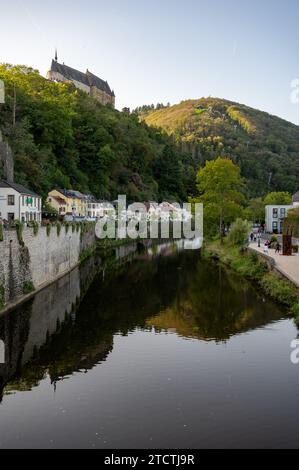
<point x="73" y="203"/>
<point x="88" y="82"/>
<point x="19" y="203"/>
<point x="275" y="216"/>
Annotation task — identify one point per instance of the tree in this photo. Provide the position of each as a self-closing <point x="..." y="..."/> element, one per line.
<point x="239" y="232"/>
<point x="278" y="199"/>
<point x="168" y="172"/>
<point x="256" y="210"/>
<point x="219" y="184"/>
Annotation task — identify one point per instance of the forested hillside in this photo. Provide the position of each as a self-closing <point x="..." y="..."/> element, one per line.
<point x="63" y="138"/>
<point x="264" y="146"/>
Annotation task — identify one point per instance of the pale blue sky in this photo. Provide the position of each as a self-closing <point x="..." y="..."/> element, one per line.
<point x="168" y="50"/>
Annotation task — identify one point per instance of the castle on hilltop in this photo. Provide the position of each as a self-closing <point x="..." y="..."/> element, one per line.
<point x="91" y="84"/>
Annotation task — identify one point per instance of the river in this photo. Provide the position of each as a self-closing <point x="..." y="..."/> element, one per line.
<point x="149" y="349"/>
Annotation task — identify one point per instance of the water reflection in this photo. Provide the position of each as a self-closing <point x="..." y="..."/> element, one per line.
<point x="63" y="330"/>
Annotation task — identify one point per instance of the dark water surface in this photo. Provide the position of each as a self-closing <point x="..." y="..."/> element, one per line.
<point x="165" y="351"/>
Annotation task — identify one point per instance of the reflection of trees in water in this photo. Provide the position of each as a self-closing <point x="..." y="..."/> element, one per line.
<point x="216" y="304"/>
<point x="196" y="298"/>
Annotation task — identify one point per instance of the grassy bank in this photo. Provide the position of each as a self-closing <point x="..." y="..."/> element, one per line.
<point x="248" y="265"/>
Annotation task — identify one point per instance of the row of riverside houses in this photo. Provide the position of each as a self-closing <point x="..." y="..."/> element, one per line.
<point x="20" y="203"/>
<point x="75" y="204"/>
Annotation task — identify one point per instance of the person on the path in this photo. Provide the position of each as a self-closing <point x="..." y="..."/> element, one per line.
<point x="266" y="247"/>
<point x="278" y="248"/>
<point x="251" y="237"/>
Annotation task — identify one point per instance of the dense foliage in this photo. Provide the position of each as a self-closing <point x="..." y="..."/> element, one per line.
<point x="220" y="189"/>
<point x="278" y="199"/>
<point x="63" y="138"/>
<point x="265" y="147"/>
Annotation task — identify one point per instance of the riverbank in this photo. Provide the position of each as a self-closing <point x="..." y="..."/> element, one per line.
<point x="251" y="266"/>
<point x="288" y="266"/>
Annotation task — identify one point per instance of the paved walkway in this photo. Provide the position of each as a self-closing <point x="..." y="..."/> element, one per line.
<point x="287" y="265"/>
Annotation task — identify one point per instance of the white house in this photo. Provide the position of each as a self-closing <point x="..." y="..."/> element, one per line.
<point x="275" y="216"/>
<point x="18" y="202"/>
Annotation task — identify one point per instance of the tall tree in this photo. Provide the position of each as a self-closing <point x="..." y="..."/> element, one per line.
<point x="220" y="190"/>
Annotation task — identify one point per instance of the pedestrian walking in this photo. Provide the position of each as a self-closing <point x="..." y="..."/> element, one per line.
<point x="266" y="247"/>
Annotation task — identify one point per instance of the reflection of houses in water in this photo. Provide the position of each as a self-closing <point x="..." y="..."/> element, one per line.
<point x="28" y="328"/>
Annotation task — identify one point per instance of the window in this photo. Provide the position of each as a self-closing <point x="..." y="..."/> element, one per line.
<point x="282" y="213"/>
<point x="275" y="226"/>
<point x="10" y="216"/>
<point x="275" y="213"/>
<point x="11" y="200"/>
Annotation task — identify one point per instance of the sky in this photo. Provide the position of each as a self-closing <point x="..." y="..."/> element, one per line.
<point x="153" y="51"/>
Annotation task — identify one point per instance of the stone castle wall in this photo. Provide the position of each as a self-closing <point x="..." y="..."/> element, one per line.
<point x="101" y="96"/>
<point x="43" y="259"/>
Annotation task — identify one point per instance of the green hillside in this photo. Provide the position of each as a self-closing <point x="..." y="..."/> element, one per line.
<point x="264" y="146"/>
<point x="61" y="137"/>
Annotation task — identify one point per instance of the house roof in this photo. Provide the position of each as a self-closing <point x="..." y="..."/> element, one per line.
<point x="98" y="82"/>
<point x="19" y="188"/>
<point x="72" y="193"/>
<point x="88" y="78"/>
<point x="296" y="197"/>
<point x="59" y="200"/>
<point x="69" y="73"/>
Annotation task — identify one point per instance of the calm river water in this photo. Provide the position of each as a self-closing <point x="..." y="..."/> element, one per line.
<point x="160" y="349"/>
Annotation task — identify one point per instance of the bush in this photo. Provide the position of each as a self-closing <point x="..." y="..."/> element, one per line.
<point x="249" y="266"/>
<point x="239" y="233"/>
<point x="35" y="226"/>
<point x="295" y="311"/>
<point x="28" y="287"/>
<point x="19" y="226"/>
<point x="280" y="289"/>
<point x="273" y="241"/>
